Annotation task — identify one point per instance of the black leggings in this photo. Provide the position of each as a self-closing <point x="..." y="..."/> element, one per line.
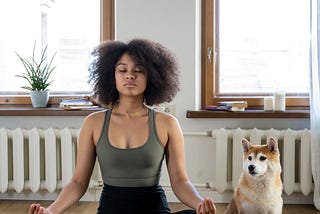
<point x="135" y="200"/>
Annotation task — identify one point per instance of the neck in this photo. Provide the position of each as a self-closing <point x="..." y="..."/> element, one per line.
<point x="130" y="108"/>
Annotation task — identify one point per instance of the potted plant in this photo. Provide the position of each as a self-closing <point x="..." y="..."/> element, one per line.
<point x="37" y="74"/>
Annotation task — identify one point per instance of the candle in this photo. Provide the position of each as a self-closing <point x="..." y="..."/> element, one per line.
<point x="268" y="103"/>
<point x="280" y="101"/>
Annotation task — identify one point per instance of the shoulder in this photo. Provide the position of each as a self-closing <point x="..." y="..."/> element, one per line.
<point x="167" y="126"/>
<point x="95" y="117"/>
<point x="97" y="114"/>
<point x="92" y="125"/>
<point x="163" y="116"/>
<point x="165" y="120"/>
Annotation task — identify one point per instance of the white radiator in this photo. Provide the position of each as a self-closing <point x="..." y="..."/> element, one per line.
<point x="44" y="159"/>
<point x="37" y="159"/>
<point x="295" y="155"/>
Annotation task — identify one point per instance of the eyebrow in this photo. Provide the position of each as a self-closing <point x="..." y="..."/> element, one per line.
<point x="122" y="63"/>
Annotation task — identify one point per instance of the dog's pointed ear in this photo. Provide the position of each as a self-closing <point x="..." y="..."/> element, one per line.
<point x="272" y="145"/>
<point x="246" y="145"/>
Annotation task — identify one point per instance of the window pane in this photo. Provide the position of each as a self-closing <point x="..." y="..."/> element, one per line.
<point x="264" y="46"/>
<point x="71" y="28"/>
<point x="19" y="30"/>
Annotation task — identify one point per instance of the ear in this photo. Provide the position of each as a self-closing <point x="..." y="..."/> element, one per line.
<point x="246" y="145"/>
<point x="272" y="145"/>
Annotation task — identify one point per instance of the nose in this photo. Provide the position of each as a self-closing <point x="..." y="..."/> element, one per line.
<point x="130" y="76"/>
<point x="251" y="168"/>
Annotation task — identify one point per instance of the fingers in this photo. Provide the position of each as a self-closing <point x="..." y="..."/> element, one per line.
<point x="210" y="207"/>
<point x="33" y="208"/>
<point x="199" y="208"/>
<point x="37" y="209"/>
<point x="206" y="207"/>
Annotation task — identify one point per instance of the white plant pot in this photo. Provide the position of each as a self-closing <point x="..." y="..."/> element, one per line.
<point x="39" y="99"/>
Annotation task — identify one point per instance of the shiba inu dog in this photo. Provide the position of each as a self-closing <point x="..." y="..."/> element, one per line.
<point x="260" y="187"/>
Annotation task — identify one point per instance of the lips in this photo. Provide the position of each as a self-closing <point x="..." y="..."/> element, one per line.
<point x="129" y="85"/>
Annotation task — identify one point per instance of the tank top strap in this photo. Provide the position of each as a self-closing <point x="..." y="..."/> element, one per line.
<point x="152" y="126"/>
<point x="153" y="135"/>
<point x="106" y="123"/>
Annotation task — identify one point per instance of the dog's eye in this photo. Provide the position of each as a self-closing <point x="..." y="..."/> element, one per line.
<point x="262" y="158"/>
<point x="249" y="158"/>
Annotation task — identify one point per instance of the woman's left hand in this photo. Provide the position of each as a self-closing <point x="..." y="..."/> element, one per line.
<point x="206" y="207"/>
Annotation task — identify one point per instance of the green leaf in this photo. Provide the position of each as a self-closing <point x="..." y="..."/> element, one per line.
<point x="37" y="72"/>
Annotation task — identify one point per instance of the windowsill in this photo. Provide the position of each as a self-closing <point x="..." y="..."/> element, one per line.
<point x="248" y="114"/>
<point x="28" y="110"/>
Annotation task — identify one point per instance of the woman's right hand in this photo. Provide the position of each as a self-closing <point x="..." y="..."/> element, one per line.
<point x="206" y="207"/>
<point x="38" y="209"/>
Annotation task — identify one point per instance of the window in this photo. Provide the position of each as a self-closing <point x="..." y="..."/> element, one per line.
<point x="69" y="28"/>
<point x="253" y="48"/>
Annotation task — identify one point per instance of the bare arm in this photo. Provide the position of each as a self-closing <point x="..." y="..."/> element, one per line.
<point x="78" y="185"/>
<point x="180" y="182"/>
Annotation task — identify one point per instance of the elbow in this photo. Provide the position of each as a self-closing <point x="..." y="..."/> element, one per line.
<point x="176" y="183"/>
<point x="80" y="184"/>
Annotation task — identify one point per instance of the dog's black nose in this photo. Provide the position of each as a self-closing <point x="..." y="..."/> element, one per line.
<point x="251" y="168"/>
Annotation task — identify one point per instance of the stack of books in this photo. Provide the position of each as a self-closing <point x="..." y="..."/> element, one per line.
<point x="77" y="103"/>
<point x="229" y="106"/>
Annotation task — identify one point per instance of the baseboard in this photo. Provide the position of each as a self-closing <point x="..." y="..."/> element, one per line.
<point x="295" y="198"/>
<point x="94" y="195"/>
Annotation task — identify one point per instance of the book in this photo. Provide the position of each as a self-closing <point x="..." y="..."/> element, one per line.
<point x="229" y="106"/>
<point x="217" y="108"/>
<point x="77" y="103"/>
<point x="237" y="104"/>
<point x="224" y="108"/>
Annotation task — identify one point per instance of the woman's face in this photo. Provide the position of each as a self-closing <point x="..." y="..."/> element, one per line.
<point x="131" y="78"/>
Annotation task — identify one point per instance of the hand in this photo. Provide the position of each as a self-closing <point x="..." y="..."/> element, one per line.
<point x="38" y="209"/>
<point x="206" y="207"/>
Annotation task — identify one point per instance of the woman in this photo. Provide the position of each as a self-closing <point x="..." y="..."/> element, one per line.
<point x="130" y="139"/>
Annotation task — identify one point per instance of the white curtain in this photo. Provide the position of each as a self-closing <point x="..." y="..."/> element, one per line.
<point x="315" y="98"/>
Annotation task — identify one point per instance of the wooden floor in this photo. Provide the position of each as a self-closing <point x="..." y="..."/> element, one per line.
<point x="21" y="207"/>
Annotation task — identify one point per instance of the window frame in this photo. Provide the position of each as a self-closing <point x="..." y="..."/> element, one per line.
<point x="107" y="32"/>
<point x="210" y="73"/>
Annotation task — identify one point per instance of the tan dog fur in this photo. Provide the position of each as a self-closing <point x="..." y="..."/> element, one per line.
<point x="260" y="187"/>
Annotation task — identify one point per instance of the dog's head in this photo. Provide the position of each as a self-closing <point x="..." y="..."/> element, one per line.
<point x="259" y="159"/>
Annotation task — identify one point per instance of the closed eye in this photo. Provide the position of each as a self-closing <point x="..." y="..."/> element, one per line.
<point x="139" y="69"/>
<point x="121" y="68"/>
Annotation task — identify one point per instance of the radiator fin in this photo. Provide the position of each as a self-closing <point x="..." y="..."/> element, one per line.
<point x="34" y="160"/>
<point x="66" y="155"/>
<point x="51" y="161"/>
<point x="18" y="159"/>
<point x="4" y="178"/>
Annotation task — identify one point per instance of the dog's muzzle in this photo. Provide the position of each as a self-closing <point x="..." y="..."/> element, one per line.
<point x="251" y="169"/>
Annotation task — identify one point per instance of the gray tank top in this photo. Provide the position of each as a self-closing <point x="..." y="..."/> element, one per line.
<point x="136" y="167"/>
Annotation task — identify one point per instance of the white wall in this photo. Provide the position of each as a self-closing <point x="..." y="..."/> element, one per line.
<point x="172" y="23"/>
